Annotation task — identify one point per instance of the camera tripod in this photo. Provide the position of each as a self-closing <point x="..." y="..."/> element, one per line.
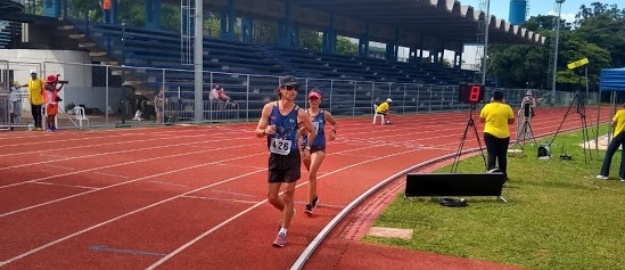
<point x="579" y="101"/>
<point x="470" y="123"/>
<point x="522" y="133"/>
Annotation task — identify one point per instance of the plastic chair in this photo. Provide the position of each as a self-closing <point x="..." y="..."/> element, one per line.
<point x="376" y="115"/>
<point x="79" y="113"/>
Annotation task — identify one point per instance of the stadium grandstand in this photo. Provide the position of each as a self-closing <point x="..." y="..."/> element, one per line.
<point x="117" y="54"/>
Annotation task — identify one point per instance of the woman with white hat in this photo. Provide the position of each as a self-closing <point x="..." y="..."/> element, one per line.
<point x="385" y="109"/>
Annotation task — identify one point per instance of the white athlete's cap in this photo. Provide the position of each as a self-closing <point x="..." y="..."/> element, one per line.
<point x="389" y="100"/>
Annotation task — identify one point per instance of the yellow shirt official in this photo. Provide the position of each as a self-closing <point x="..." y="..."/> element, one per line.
<point x="619" y="120"/>
<point x="383" y="108"/>
<point x="34" y="89"/>
<point x="496" y="116"/>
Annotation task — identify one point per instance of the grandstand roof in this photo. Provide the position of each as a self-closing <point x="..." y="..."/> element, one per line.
<point x="446" y="19"/>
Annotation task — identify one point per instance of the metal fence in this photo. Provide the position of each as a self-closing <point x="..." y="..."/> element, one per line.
<point x="116" y="95"/>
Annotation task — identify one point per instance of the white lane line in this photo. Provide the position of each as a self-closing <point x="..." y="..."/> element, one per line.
<point x="169" y="184"/>
<point x="233" y="193"/>
<point x="58" y="167"/>
<point x="63" y="185"/>
<point x="220" y="199"/>
<point x="112" y="175"/>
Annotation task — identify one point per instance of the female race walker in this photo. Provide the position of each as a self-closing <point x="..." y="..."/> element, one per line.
<point x="319" y="119"/>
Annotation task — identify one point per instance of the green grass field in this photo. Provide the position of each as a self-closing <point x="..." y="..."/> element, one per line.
<point x="558" y="216"/>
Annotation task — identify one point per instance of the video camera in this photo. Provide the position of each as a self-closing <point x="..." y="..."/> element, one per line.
<point x="59" y="81"/>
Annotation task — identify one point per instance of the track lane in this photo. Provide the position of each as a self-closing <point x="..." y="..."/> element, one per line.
<point x="355" y="155"/>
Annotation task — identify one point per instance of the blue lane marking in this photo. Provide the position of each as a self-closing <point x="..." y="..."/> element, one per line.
<point x="128" y="251"/>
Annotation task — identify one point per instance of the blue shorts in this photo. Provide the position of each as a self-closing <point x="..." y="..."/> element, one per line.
<point x="316" y="148"/>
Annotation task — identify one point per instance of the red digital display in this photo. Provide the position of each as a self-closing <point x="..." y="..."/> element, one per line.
<point x="475" y="93"/>
<point x="471" y="93"/>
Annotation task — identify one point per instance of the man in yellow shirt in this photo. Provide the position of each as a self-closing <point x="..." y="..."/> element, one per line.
<point x="385" y="109"/>
<point x="497" y="117"/>
<point x="618" y="123"/>
<point x="35" y="96"/>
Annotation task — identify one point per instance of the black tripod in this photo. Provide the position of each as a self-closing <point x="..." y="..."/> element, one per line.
<point x="522" y="134"/>
<point x="470" y="123"/>
<point x="579" y="100"/>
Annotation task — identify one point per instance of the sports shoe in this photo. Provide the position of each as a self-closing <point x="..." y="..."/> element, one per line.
<point x="309" y="208"/>
<point x="622" y="180"/>
<point x="315" y="201"/>
<point x="280" y="240"/>
<point x="602" y="177"/>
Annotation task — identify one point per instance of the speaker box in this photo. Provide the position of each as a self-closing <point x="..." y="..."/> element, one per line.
<point x="454" y="184"/>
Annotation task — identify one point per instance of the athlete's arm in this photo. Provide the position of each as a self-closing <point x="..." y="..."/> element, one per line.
<point x="303" y="118"/>
<point x="330" y="119"/>
<point x="261" y="128"/>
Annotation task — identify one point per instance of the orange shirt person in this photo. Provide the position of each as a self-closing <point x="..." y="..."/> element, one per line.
<point x="51" y="97"/>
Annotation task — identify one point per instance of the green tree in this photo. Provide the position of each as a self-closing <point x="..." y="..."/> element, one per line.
<point x="597" y="34"/>
<point x="345" y="46"/>
<point x="310" y="40"/>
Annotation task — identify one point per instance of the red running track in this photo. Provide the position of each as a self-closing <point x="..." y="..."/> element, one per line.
<point x="193" y="197"/>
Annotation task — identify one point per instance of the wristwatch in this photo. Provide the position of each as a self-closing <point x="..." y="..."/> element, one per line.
<point x="307" y="147"/>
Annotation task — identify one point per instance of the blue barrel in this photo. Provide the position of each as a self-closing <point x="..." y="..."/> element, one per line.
<point x="518" y="9"/>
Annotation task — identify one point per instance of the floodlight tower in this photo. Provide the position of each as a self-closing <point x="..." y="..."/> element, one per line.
<point x="486" y="27"/>
<point x="198" y="54"/>
<point x="555" y="52"/>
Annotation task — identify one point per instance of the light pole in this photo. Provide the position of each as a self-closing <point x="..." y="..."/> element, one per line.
<point x="486" y="27"/>
<point x="555" y="54"/>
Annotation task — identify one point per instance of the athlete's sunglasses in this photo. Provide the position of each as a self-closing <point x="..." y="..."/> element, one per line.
<point x="291" y="87"/>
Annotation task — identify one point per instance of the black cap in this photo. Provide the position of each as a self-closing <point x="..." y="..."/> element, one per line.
<point x="288" y="81"/>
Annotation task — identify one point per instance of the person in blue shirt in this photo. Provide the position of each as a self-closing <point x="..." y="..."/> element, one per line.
<point x="319" y="118"/>
<point x="279" y="122"/>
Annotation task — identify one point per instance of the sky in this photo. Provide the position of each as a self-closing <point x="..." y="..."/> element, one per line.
<point x="501" y="8"/>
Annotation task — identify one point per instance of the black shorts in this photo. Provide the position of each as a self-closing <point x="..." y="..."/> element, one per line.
<point x="285" y="168"/>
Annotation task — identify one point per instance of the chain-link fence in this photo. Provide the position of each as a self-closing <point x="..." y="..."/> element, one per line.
<point x="137" y="96"/>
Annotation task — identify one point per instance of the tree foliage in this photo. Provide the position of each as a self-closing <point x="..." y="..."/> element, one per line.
<point x="598" y="33"/>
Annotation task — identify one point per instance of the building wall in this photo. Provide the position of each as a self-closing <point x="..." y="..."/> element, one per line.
<point x="74" y="66"/>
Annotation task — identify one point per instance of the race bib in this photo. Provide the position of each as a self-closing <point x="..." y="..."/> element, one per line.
<point x="280" y="146"/>
<point x="316" y="124"/>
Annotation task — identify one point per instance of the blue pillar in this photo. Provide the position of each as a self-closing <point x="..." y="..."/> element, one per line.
<point x="281" y="33"/>
<point x="153" y="14"/>
<point x="392" y="48"/>
<point x="114" y="15"/>
<point x="227" y="21"/>
<point x="247" y="29"/>
<point x="288" y="30"/>
<point x="363" y="43"/>
<point x="329" y="37"/>
<point x="421" y="45"/>
<point x="396" y="47"/>
<point x="295" y="36"/>
<point x="442" y="50"/>
<point x="51" y="8"/>
<point x="412" y="55"/>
